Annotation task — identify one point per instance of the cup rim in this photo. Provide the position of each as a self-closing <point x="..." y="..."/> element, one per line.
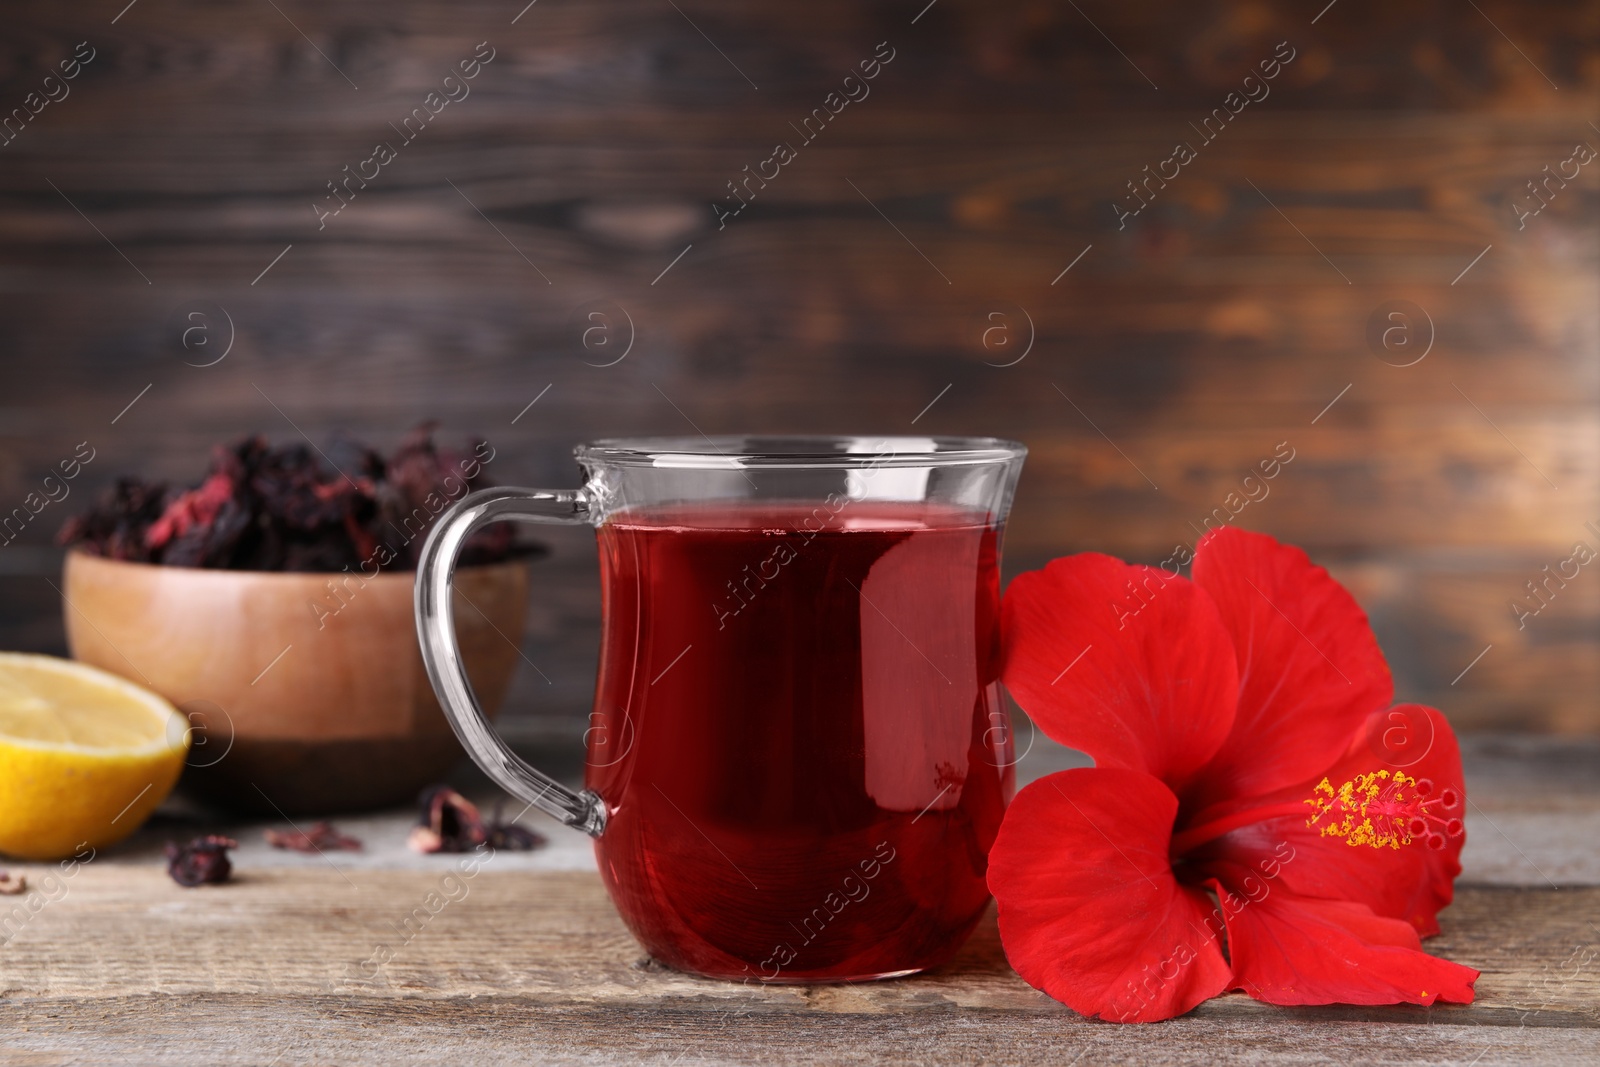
<point x="811" y="451"/>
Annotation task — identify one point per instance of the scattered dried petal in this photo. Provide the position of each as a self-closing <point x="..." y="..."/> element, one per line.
<point x="450" y="822"/>
<point x="514" y="838"/>
<point x="13" y="886"/>
<point x="511" y="837"/>
<point x="203" y="861"/>
<point x="424" y="840"/>
<point x="322" y="837"/>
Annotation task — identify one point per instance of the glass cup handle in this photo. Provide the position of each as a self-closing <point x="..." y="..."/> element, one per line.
<point x="442" y="657"/>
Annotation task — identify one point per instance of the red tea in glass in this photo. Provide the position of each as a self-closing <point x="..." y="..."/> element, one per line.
<point x="798" y="756"/>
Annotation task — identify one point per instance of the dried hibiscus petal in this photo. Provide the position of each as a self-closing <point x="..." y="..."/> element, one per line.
<point x="450" y="822"/>
<point x="296" y="508"/>
<point x="115" y="527"/>
<point x="203" y="861"/>
<point x="322" y="837"/>
<point x="512" y="837"/>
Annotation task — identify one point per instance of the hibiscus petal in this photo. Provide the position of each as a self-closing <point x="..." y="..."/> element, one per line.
<point x="1126" y="663"/>
<point x="1310" y="670"/>
<point x="1293" y="950"/>
<point x="1412" y="882"/>
<point x="1089" y="910"/>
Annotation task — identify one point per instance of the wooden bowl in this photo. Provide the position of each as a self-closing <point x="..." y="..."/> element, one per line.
<point x="306" y="691"/>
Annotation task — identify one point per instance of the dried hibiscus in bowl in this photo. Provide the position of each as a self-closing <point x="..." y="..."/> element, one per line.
<point x="296" y="508"/>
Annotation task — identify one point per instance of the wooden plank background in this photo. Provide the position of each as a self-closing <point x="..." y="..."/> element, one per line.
<point x="859" y="284"/>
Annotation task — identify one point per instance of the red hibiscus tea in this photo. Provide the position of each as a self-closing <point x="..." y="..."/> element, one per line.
<point x="798" y="733"/>
<point x="798" y="758"/>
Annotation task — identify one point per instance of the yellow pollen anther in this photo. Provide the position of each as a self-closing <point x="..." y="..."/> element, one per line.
<point x="1383" y="809"/>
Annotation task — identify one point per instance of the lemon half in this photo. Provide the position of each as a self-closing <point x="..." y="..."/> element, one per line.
<point x="85" y="756"/>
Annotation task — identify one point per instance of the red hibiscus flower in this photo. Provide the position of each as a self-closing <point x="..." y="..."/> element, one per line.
<point x="1257" y="818"/>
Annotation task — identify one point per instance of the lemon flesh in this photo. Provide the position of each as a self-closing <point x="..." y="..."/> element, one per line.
<point x="85" y="756"/>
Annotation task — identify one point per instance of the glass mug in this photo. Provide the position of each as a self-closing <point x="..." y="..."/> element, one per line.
<point x="798" y="756"/>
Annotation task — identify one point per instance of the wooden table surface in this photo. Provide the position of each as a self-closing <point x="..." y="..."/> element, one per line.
<point x="531" y="964"/>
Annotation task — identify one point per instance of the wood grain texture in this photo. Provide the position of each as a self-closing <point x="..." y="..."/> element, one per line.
<point x="540" y="963"/>
<point x="1173" y="357"/>
<point x="526" y="964"/>
<point x="252" y="1029"/>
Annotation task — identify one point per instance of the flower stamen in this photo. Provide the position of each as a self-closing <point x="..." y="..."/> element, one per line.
<point x="1381" y="809"/>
